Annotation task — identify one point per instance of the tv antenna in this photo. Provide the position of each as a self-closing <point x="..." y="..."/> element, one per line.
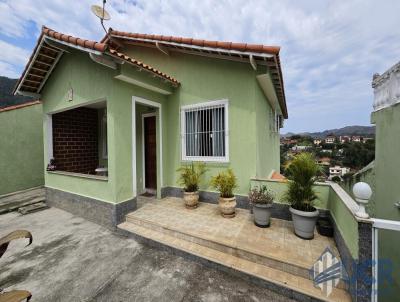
<point x="101" y="13"/>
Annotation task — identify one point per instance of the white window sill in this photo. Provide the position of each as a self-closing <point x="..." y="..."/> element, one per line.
<point x="81" y="175"/>
<point x="206" y="160"/>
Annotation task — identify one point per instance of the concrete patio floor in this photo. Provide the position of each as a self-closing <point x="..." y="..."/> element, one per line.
<point x="72" y="259"/>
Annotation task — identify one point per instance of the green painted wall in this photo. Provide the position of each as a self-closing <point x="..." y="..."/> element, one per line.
<point x="91" y="82"/>
<point x="327" y="199"/>
<point x="267" y="143"/>
<point x="279" y="188"/>
<point x="387" y="187"/>
<point x="345" y="222"/>
<point x="21" y="149"/>
<point x="202" y="79"/>
<point x="205" y="79"/>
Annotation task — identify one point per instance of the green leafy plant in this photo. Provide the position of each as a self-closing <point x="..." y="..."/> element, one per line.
<point x="191" y="175"/>
<point x="301" y="173"/>
<point x="224" y="182"/>
<point x="261" y="195"/>
<point x="336" y="178"/>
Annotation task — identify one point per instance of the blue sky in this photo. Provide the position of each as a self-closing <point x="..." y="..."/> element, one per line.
<point x="329" y="49"/>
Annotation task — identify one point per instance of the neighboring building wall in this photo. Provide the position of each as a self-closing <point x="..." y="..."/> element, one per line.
<point x="21" y="149"/>
<point x="387" y="188"/>
<point x="386" y="117"/>
<point x="75" y="140"/>
<point x="367" y="174"/>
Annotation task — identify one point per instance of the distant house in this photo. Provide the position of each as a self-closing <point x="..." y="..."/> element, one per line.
<point x="344" y="139"/>
<point x="330" y="139"/>
<point x="317" y="141"/>
<point x="324" y="161"/>
<point x="356" y="138"/>
<point x="365" y="139"/>
<point x="300" y="148"/>
<point x="338" y="171"/>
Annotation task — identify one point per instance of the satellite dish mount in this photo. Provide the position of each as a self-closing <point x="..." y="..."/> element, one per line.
<point x="101" y="13"/>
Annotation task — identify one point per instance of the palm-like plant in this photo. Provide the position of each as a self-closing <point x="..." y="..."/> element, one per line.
<point x="302" y="172"/>
<point x="191" y="175"/>
<point x="225" y="182"/>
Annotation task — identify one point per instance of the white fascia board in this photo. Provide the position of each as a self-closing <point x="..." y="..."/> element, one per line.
<point x="137" y="82"/>
<point x="265" y="82"/>
<point x="213" y="49"/>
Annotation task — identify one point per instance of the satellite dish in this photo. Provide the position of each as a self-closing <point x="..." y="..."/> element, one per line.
<point x="100" y="12"/>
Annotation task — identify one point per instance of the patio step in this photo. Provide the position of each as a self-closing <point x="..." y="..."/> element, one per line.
<point x="33" y="208"/>
<point x="271" y="258"/>
<point x="14" y="201"/>
<point x="293" y="286"/>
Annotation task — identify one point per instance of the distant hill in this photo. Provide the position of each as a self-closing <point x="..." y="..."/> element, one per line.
<point x="6" y="97"/>
<point x="348" y="130"/>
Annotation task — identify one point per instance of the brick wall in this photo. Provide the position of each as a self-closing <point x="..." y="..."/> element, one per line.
<point x="75" y="140"/>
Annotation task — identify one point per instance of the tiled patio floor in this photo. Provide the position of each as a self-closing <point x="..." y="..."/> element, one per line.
<point x="276" y="242"/>
<point x="274" y="255"/>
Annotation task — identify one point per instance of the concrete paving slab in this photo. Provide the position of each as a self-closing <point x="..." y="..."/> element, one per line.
<point x="72" y="259"/>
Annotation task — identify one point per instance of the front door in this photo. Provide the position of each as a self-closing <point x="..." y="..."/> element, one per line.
<point x="150" y="152"/>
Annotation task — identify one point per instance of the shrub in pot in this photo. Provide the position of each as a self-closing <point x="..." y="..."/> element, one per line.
<point x="225" y="182"/>
<point x="261" y="199"/>
<point x="301" y="173"/>
<point x="190" y="177"/>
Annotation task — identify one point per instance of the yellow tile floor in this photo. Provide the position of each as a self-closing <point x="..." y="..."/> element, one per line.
<point x="278" y="242"/>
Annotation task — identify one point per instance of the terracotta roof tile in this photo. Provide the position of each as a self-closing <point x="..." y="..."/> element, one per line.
<point x="197" y="42"/>
<point x="73" y="40"/>
<point x="143" y="65"/>
<point x="19" y="106"/>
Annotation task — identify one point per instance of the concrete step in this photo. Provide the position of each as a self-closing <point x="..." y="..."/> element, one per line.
<point x="241" y="251"/>
<point x="13" y="202"/>
<point x="283" y="282"/>
<point x="33" y="208"/>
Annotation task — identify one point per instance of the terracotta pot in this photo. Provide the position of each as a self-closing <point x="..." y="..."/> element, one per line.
<point x="227" y="207"/>
<point x="191" y="199"/>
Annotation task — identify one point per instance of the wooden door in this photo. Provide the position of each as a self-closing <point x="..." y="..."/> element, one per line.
<point x="150" y="152"/>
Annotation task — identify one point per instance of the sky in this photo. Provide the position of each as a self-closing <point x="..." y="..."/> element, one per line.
<point x="329" y="49"/>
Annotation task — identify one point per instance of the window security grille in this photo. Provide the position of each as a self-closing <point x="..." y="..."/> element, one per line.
<point x="204" y="132"/>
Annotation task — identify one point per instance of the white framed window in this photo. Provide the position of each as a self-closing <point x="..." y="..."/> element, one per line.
<point x="276" y="121"/>
<point x="103" y="126"/>
<point x="205" y="132"/>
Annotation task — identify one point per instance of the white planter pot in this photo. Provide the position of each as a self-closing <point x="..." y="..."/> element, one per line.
<point x="191" y="199"/>
<point x="304" y="223"/>
<point x="262" y="214"/>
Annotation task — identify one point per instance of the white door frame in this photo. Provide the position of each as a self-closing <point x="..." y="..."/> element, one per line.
<point x="144" y="115"/>
<point x="139" y="100"/>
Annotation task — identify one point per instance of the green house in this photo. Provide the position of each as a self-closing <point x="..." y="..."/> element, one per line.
<point x="121" y="115"/>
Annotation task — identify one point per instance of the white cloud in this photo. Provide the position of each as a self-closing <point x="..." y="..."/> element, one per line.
<point x="330" y="49"/>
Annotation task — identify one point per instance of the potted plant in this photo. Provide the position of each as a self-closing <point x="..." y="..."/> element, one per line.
<point x="261" y="199"/>
<point x="225" y="182"/>
<point x="190" y="177"/>
<point x="301" y="173"/>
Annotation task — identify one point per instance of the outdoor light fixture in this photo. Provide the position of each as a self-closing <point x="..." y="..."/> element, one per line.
<point x="362" y="192"/>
